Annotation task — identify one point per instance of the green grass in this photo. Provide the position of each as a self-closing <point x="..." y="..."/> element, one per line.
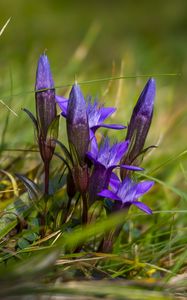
<point x="88" y="43"/>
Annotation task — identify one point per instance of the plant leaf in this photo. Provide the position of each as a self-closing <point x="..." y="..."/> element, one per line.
<point x="66" y="152"/>
<point x="32" y="117"/>
<point x="52" y="132"/>
<point x="32" y="188"/>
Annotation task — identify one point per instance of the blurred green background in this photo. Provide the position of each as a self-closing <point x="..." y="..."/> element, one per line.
<point x="90" y="40"/>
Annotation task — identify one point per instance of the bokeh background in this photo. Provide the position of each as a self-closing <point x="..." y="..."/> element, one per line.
<point x="89" y="40"/>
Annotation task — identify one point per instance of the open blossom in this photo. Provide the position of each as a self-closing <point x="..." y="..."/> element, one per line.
<point x="96" y="113"/>
<point x="105" y="159"/>
<point x="127" y="193"/>
<point x="140" y="123"/>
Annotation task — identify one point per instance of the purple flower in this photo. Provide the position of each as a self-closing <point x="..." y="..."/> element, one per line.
<point x="45" y="106"/>
<point x="105" y="159"/>
<point x="140" y="123"/>
<point x="96" y="113"/>
<point x="77" y="124"/>
<point x="78" y="137"/>
<point x="108" y="156"/>
<point x="127" y="193"/>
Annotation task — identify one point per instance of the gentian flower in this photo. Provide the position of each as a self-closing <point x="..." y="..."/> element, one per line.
<point x="78" y="137"/>
<point x="46" y="111"/>
<point x="96" y="113"/>
<point x="127" y="192"/>
<point x="105" y="159"/>
<point x="140" y="123"/>
<point x="77" y="124"/>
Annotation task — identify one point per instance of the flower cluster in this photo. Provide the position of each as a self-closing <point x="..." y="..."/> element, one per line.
<point x="93" y="166"/>
<point x="101" y="160"/>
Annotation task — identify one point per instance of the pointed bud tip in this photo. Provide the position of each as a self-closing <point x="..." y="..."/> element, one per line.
<point x="149" y="90"/>
<point x="145" y="102"/>
<point x="76" y="99"/>
<point x="44" y="78"/>
<point x="76" y="90"/>
<point x="151" y="84"/>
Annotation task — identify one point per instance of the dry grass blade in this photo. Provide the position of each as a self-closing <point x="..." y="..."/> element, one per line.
<point x="10" y="109"/>
<point x="3" y="28"/>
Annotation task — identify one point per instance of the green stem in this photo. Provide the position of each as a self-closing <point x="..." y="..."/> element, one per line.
<point x="109" y="240"/>
<point x="85" y="209"/>
<point x="46" y="174"/>
<point x="46" y="193"/>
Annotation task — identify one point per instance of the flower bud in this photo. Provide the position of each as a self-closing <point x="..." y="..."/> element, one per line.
<point x="139" y="124"/>
<point x="45" y="106"/>
<point x="77" y="125"/>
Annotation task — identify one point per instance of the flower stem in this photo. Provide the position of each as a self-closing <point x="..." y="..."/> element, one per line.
<point x="46" y="180"/>
<point x="46" y="193"/>
<point x="109" y="240"/>
<point x="85" y="209"/>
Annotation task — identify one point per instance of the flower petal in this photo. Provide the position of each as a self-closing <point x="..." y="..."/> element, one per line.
<point x="110" y="126"/>
<point x="63" y="104"/>
<point x="114" y="182"/>
<point x="105" y="112"/>
<point x="92" y="157"/>
<point x="117" y="151"/>
<point x="108" y="194"/>
<point x="131" y="168"/>
<point x="143" y="207"/>
<point x="143" y="187"/>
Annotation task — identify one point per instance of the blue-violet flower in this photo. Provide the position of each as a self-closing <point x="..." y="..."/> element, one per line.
<point x="46" y="111"/>
<point x="105" y="159"/>
<point x="77" y="124"/>
<point x="140" y="123"/>
<point x="127" y="193"/>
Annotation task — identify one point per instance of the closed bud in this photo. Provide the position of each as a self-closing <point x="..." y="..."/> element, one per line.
<point x="46" y="111"/>
<point x="77" y="125"/>
<point x="139" y="124"/>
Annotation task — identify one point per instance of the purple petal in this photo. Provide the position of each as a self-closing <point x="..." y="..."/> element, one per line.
<point x="106" y="112"/>
<point x="131" y="168"/>
<point x="108" y="194"/>
<point x="63" y="104"/>
<point x="143" y="207"/>
<point x="110" y="126"/>
<point x="104" y="152"/>
<point x="114" y="182"/>
<point x="60" y="99"/>
<point x="92" y="157"/>
<point x="93" y="143"/>
<point x="127" y="191"/>
<point x="117" y="152"/>
<point x="143" y="187"/>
